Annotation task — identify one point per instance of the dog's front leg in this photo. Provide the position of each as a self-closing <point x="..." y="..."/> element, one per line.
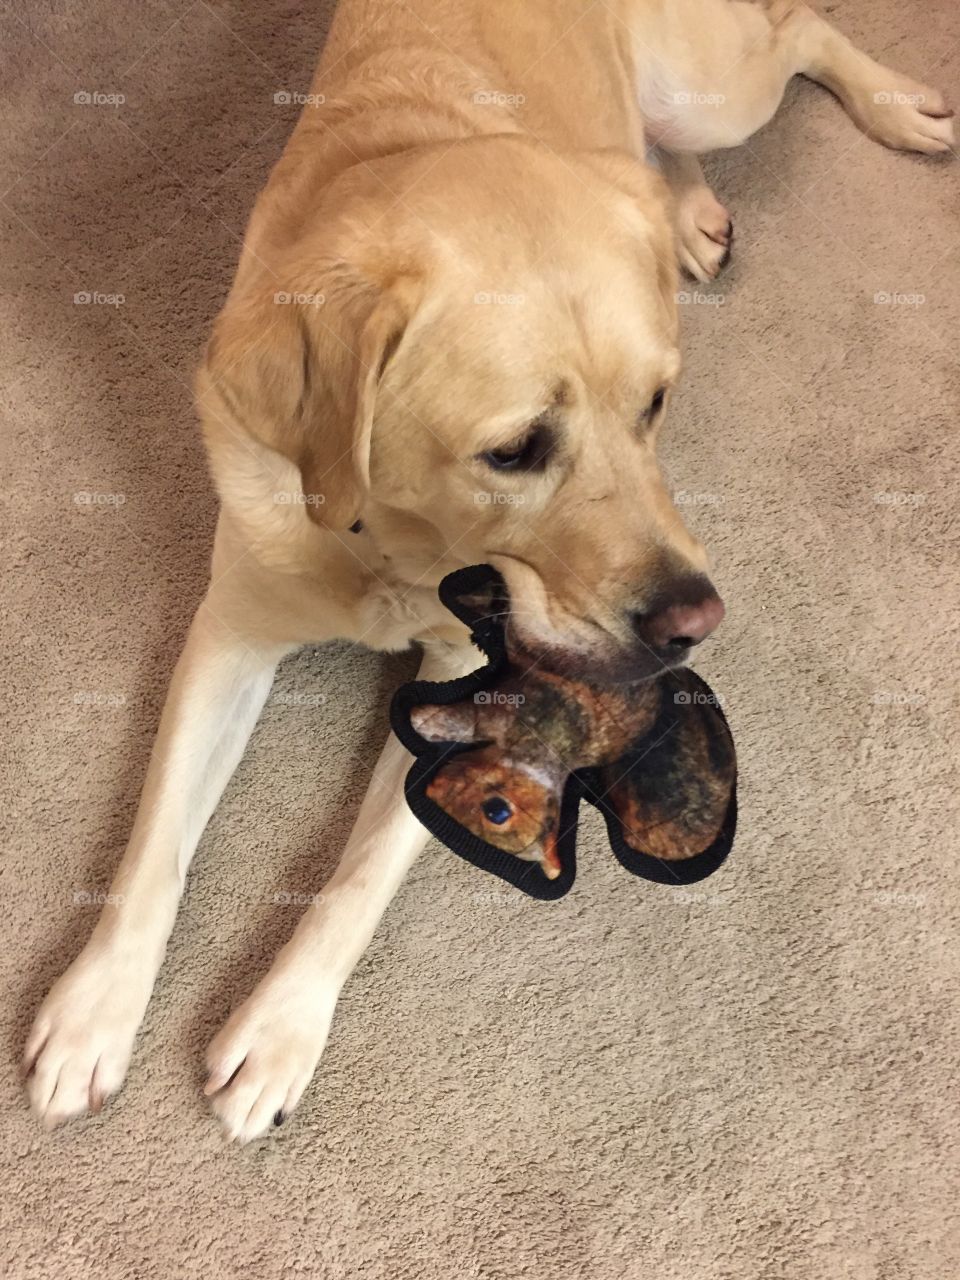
<point x="80" y="1045"/>
<point x="263" y="1058"/>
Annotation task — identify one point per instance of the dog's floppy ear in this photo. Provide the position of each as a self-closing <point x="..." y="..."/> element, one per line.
<point x="650" y="194"/>
<point x="297" y="367"/>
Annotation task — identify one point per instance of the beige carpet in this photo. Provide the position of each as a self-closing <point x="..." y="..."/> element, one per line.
<point x="752" y="1079"/>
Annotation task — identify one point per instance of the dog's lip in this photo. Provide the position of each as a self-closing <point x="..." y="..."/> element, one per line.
<point x="619" y="664"/>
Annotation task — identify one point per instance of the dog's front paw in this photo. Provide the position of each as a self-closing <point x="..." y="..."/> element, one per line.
<point x="263" y="1058"/>
<point x="79" y="1049"/>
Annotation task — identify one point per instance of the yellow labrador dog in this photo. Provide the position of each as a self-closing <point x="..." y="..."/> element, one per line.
<point x="451" y="339"/>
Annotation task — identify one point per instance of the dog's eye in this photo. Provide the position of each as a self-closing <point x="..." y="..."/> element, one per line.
<point x="656" y="404"/>
<point x="528" y="453"/>
<point x="497" y="810"/>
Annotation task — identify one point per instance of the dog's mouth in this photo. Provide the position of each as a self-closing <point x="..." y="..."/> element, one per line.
<point x="554" y="636"/>
<point x="605" y="643"/>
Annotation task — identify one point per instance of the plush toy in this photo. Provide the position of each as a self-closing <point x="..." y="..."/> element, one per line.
<point x="505" y="755"/>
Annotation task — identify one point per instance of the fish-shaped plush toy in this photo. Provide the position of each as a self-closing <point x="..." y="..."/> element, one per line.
<point x="505" y="755"/>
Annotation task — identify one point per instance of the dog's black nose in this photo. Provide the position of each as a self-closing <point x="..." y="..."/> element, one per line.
<point x="680" y="617"/>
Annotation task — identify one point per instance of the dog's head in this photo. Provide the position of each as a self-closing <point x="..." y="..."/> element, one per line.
<point x="472" y="348"/>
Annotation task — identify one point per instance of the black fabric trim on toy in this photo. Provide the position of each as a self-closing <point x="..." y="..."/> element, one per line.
<point x="663" y="790"/>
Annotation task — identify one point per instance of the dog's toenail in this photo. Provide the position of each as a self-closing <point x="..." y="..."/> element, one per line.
<point x="278" y="1119"/>
<point x="725" y="259"/>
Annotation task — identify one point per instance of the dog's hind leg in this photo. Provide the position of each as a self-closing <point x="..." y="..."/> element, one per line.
<point x="889" y="107"/>
<point x="703" y="226"/>
<point x="712" y="72"/>
<point x="709" y="74"/>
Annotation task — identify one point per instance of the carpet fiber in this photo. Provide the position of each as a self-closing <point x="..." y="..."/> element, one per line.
<point x="754" y="1078"/>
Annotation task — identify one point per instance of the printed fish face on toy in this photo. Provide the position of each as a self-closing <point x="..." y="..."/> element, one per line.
<point x="511" y="804"/>
<point x="505" y="755"/>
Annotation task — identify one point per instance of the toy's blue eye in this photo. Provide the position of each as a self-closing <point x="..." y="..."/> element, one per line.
<point x="497" y="810"/>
